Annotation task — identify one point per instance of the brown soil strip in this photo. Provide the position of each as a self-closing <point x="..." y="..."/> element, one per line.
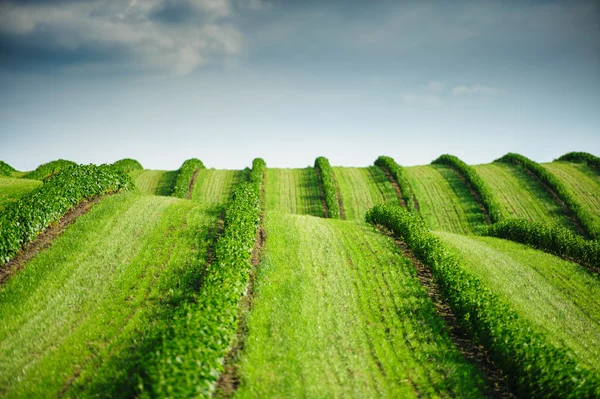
<point x="322" y="193"/>
<point x="188" y="195"/>
<point x="45" y="239"/>
<point x="560" y="203"/>
<point x="338" y="193"/>
<point x="497" y="386"/>
<point x="229" y="380"/>
<point x="395" y="185"/>
<point x="474" y="194"/>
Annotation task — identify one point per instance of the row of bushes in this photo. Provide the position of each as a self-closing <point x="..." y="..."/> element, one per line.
<point x="22" y="221"/>
<point x="127" y="165"/>
<point x="555" y="240"/>
<point x="184" y="176"/>
<point x="547" y="178"/>
<point x="469" y="173"/>
<point x="581" y="157"/>
<point x="6" y="169"/>
<point x="397" y="173"/>
<point x="49" y="169"/>
<point x="258" y="170"/>
<point x="533" y="366"/>
<point x="191" y="358"/>
<point x="329" y="188"/>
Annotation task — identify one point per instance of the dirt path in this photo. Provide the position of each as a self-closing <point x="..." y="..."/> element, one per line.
<point x="188" y="195"/>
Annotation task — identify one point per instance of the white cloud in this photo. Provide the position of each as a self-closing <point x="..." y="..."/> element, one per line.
<point x="476" y="89"/>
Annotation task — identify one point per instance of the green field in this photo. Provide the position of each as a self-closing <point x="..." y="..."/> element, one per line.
<point x="293" y="191"/>
<point x="558" y="297"/>
<point x="362" y="188"/>
<point x="444" y="200"/>
<point x="583" y="183"/>
<point x="214" y="185"/>
<point x="338" y="312"/>
<point x="11" y="189"/>
<point x="157" y="182"/>
<point x="519" y="196"/>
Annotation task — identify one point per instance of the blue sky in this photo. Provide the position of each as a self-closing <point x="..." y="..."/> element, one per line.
<point x="230" y="80"/>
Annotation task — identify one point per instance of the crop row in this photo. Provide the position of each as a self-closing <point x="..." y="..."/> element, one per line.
<point x="397" y="173"/>
<point x="327" y="181"/>
<point x="190" y="362"/>
<point x="582" y="157"/>
<point x="471" y="176"/>
<point x="22" y="221"/>
<point x="127" y="165"/>
<point x="6" y="169"/>
<point x="547" y="178"/>
<point x="49" y="169"/>
<point x="533" y="366"/>
<point x="185" y="175"/>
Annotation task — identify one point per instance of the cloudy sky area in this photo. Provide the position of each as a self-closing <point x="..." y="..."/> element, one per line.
<point x="230" y="80"/>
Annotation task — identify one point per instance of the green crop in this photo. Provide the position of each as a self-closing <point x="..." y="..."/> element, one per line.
<point x="581" y="157"/>
<point x="185" y="175"/>
<point x="49" y="169"/>
<point x="555" y="240"/>
<point x="23" y="220"/>
<point x="550" y="181"/>
<point x="397" y="173"/>
<point x="329" y="187"/>
<point x="533" y="366"/>
<point x="127" y="165"/>
<point x="471" y="176"/>
<point x="6" y="169"/>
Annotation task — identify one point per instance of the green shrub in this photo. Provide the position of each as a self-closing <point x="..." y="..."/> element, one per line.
<point x="397" y="173"/>
<point x="550" y="181"/>
<point x="127" y="165"/>
<point x="471" y="176"/>
<point x="6" y="169"/>
<point x="555" y="240"/>
<point x="329" y="188"/>
<point x="190" y="359"/>
<point x="533" y="366"/>
<point x="582" y="157"/>
<point x="22" y="221"/>
<point x="258" y="170"/>
<point x="49" y="169"/>
<point x="184" y="176"/>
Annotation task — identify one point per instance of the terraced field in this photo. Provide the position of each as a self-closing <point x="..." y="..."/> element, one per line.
<point x="156" y="182"/>
<point x="444" y="200"/>
<point x="11" y="189"/>
<point x="293" y="191"/>
<point x="339" y="312"/>
<point x="362" y="188"/>
<point x="215" y="185"/>
<point x="520" y="196"/>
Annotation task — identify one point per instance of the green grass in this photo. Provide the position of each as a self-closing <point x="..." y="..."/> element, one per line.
<point x="157" y="182"/>
<point x="362" y="188"/>
<point x="214" y="185"/>
<point x="444" y="200"/>
<point x="338" y="312"/>
<point x="294" y="191"/>
<point x="584" y="184"/>
<point x="102" y="280"/>
<point x="520" y="196"/>
<point x="11" y="189"/>
<point x="558" y="297"/>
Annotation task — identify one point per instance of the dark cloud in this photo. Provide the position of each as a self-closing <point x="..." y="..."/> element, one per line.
<point x="174" y="12"/>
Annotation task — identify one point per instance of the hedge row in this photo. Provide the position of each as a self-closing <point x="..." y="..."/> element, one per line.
<point x="191" y="357"/>
<point x="184" y="176"/>
<point x="22" y="221"/>
<point x="533" y="366"/>
<point x="6" y="169"/>
<point x="49" y="169"/>
<point x="581" y="157"/>
<point x="585" y="220"/>
<point x="555" y="240"/>
<point x="127" y="165"/>
<point x="258" y="170"/>
<point x="329" y="188"/>
<point x="397" y="173"/>
<point x="469" y="173"/>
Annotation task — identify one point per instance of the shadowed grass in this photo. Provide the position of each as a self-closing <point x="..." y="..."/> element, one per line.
<point x="293" y="191"/>
<point x="215" y="185"/>
<point x="157" y="182"/>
